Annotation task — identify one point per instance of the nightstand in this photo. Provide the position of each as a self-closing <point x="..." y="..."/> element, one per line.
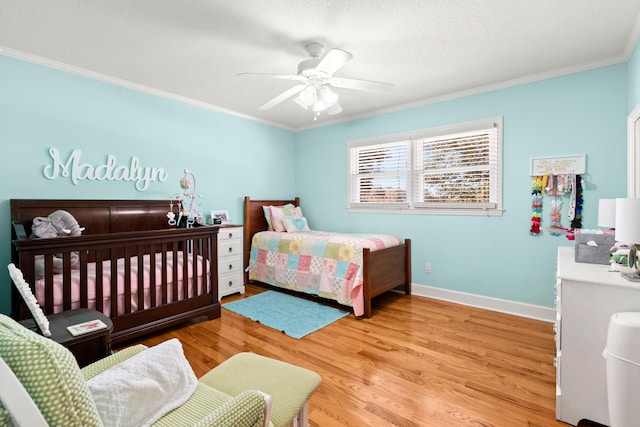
<point x="86" y="348"/>
<point x="230" y="274"/>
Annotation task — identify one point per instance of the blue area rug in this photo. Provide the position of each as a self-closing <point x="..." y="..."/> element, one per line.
<point x="295" y="317"/>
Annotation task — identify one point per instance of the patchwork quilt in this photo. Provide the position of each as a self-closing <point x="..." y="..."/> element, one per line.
<point x="316" y="262"/>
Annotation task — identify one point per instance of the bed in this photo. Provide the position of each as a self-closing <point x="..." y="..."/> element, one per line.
<point x="382" y="269"/>
<point x="162" y="275"/>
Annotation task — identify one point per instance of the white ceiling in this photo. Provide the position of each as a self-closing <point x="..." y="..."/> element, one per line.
<point x="430" y="49"/>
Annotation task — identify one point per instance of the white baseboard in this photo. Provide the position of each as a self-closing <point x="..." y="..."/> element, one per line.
<point x="531" y="311"/>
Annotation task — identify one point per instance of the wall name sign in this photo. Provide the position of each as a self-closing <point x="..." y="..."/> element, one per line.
<point x="108" y="171"/>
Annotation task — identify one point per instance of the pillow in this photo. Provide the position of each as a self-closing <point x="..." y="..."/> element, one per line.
<point x="140" y="390"/>
<point x="49" y="373"/>
<point x="267" y="213"/>
<point x="278" y="212"/>
<point x="292" y="224"/>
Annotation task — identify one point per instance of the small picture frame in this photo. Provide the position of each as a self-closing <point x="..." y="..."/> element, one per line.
<point x="220" y="217"/>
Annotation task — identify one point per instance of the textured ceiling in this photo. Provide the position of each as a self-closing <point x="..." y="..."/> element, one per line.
<point x="430" y="49"/>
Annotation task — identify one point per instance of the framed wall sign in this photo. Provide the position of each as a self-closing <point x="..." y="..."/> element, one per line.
<point x="558" y="165"/>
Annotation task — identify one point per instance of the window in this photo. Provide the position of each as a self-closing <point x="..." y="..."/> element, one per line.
<point x="452" y="170"/>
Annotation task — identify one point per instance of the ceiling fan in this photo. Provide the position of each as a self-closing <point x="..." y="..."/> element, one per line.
<point x="314" y="77"/>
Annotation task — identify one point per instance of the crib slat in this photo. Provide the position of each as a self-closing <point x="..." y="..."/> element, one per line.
<point x="48" y="283"/>
<point x="84" y="291"/>
<point x="174" y="279"/>
<point x="165" y="273"/>
<point x="99" y="285"/>
<point x="113" y="259"/>
<point x="66" y="281"/>
<point x="152" y="276"/>
<point x="127" y="280"/>
<point x="141" y="292"/>
<point x="195" y="258"/>
<point x="185" y="267"/>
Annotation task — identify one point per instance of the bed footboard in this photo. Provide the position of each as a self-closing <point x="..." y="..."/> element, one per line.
<point x="385" y="270"/>
<point x="160" y="277"/>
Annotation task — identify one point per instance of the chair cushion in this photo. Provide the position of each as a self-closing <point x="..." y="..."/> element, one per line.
<point x="50" y="374"/>
<point x="289" y="386"/>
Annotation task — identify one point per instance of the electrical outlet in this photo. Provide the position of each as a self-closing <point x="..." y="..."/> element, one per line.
<point x="427" y="267"/>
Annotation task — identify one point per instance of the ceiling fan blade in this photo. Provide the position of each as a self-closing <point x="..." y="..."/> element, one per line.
<point x="272" y="76"/>
<point x="283" y="96"/>
<point x="333" y="61"/>
<point x="357" y="84"/>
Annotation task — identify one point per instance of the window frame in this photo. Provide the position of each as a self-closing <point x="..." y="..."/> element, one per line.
<point x="414" y="139"/>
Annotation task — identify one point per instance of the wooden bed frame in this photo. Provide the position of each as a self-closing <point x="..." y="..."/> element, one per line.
<point x="383" y="270"/>
<point x="116" y="229"/>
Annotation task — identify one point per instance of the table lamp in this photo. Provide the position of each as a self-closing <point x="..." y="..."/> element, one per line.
<point x="607" y="213"/>
<point x="628" y="231"/>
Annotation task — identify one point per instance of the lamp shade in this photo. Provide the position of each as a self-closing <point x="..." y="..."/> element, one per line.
<point x="628" y="220"/>
<point x="607" y="213"/>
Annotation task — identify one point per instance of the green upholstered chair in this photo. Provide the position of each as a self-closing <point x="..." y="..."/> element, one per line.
<point x="43" y="385"/>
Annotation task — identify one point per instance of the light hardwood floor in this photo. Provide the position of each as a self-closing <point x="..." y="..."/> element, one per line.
<point x="416" y="362"/>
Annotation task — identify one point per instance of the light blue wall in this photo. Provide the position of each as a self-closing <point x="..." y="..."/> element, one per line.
<point x="633" y="71"/>
<point x="42" y="108"/>
<point x="582" y="113"/>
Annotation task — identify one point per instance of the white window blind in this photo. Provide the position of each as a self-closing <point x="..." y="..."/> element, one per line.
<point x="380" y="174"/>
<point x="457" y="171"/>
<point x="453" y="169"/>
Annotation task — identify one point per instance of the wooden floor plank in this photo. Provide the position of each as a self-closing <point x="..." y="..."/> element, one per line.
<point x="416" y="362"/>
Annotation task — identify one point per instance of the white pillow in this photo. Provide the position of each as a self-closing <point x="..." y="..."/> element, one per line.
<point x="292" y="224"/>
<point x="140" y="390"/>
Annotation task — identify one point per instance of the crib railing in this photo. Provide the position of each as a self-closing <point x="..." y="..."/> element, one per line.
<point x="185" y="256"/>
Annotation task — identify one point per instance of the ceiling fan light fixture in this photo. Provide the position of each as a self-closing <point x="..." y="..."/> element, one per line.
<point x="308" y="97"/>
<point x="326" y="99"/>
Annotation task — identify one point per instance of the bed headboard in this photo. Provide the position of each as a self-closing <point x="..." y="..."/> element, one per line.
<point x="97" y="216"/>
<point x="255" y="221"/>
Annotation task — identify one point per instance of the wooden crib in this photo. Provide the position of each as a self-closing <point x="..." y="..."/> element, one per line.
<point x="163" y="275"/>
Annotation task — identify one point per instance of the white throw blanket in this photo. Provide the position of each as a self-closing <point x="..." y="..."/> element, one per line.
<point x="140" y="390"/>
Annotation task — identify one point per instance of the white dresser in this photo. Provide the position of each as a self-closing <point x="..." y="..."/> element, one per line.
<point x="230" y="274"/>
<point x="586" y="297"/>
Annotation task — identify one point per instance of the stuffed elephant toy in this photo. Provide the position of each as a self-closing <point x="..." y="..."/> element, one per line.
<point x="58" y="224"/>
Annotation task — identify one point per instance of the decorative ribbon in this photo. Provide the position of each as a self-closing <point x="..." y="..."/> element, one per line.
<point x="536" y="204"/>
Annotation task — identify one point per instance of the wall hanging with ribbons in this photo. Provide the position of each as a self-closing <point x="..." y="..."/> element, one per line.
<point x="558" y="178"/>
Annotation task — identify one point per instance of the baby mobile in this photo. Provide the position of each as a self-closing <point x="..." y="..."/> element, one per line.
<point x="558" y="178"/>
<point x="187" y="204"/>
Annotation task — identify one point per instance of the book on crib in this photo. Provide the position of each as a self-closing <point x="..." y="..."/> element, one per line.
<point x="86" y="327"/>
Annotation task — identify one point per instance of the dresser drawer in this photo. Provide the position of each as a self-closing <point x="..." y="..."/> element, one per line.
<point x="229" y="265"/>
<point x="232" y="281"/>
<point x="229" y="233"/>
<point x="230" y="284"/>
<point x="227" y="248"/>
